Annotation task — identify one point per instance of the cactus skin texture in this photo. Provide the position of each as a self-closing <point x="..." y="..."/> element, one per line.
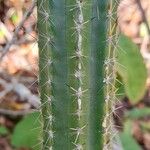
<point x="110" y="77"/>
<point x="73" y="43"/>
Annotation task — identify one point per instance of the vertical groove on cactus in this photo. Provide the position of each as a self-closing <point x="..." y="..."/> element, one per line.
<point x="97" y="57"/>
<point x="60" y="95"/>
<point x="110" y="76"/>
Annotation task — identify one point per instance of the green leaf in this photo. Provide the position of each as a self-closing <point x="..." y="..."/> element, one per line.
<point x="127" y="140"/>
<point x="27" y="132"/>
<point x="3" y="130"/>
<point x="138" y="113"/>
<point x="132" y="69"/>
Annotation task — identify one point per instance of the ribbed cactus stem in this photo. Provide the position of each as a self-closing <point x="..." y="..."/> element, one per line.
<point x="110" y="77"/>
<point x="72" y="50"/>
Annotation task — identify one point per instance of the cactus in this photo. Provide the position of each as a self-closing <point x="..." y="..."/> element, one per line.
<point x="76" y="72"/>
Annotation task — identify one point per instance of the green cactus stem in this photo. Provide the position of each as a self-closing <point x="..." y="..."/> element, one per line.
<point x="73" y="43"/>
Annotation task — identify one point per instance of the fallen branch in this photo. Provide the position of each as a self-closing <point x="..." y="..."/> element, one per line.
<point x="16" y="113"/>
<point x="23" y="92"/>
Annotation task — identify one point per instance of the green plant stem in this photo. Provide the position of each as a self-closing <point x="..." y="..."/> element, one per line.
<point x="73" y="43"/>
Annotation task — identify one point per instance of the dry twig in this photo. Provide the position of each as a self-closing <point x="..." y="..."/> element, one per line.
<point x="14" y="37"/>
<point x="143" y="16"/>
<point x="23" y="92"/>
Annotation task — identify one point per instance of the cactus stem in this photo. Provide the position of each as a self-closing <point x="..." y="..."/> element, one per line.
<point x="73" y="42"/>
